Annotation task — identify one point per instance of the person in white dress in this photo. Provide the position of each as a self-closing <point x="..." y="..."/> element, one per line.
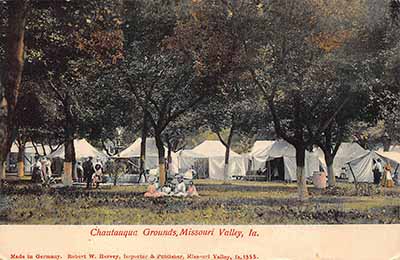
<point x="180" y="189"/>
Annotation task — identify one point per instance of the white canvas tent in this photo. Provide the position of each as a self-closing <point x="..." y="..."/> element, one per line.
<point x="133" y="151"/>
<point x="258" y="153"/>
<point x="345" y="153"/>
<point x="281" y="149"/>
<point x="362" y="166"/>
<point x="214" y="151"/>
<point x="30" y="149"/>
<point x="83" y="149"/>
<point x="29" y="154"/>
<point x="186" y="159"/>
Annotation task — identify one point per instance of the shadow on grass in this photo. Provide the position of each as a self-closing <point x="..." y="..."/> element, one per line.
<point x="33" y="204"/>
<point x="246" y="188"/>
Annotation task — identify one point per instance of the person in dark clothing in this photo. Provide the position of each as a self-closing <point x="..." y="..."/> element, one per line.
<point x="36" y="170"/>
<point x="377" y="171"/>
<point x="88" y="171"/>
<point x="143" y="173"/>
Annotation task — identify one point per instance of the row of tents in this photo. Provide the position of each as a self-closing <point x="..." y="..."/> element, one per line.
<point x="208" y="159"/>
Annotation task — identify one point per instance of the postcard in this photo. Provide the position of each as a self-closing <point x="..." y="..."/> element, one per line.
<point x="199" y="129"/>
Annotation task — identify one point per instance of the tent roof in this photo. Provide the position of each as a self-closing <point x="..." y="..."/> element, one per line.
<point x="134" y="149"/>
<point x="281" y="148"/>
<point x="350" y="149"/>
<point x="190" y="154"/>
<point x="83" y="149"/>
<point x="346" y="150"/>
<point x="30" y="149"/>
<point x="261" y="147"/>
<point x="273" y="149"/>
<point x="211" y="148"/>
<point x="392" y="156"/>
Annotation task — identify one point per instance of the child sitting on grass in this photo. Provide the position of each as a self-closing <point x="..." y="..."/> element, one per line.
<point x="180" y="189"/>
<point x="192" y="191"/>
<point x="152" y="191"/>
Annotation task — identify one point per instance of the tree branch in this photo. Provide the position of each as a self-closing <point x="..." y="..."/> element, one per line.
<point x="221" y="139"/>
<point x="56" y="91"/>
<point x="260" y="86"/>
<point x="35" y="147"/>
<point x="328" y="122"/>
<point x="277" y="124"/>
<point x="177" y="113"/>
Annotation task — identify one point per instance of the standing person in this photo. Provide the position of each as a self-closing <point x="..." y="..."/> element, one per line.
<point x="387" y="180"/>
<point x="88" y="171"/>
<point x="99" y="165"/>
<point x="44" y="171"/>
<point x="144" y="173"/>
<point x="97" y="175"/>
<point x="36" y="170"/>
<point x="79" y="172"/>
<point x="48" y="169"/>
<point x="378" y="171"/>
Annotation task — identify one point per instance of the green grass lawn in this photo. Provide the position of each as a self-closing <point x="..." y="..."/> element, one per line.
<point x="237" y="202"/>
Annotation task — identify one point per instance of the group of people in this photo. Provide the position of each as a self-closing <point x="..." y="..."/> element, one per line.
<point x="176" y="188"/>
<point x="41" y="170"/>
<point x="89" y="172"/>
<point x="383" y="174"/>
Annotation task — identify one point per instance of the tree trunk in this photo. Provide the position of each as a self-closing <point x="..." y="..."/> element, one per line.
<point x="227" y="151"/>
<point x="21" y="160"/>
<point x="331" y="172"/>
<point x="300" y="172"/>
<point x="161" y="158"/>
<point x="143" y="144"/>
<point x="226" y="165"/>
<point x="74" y="174"/>
<point x="11" y="80"/>
<point x="68" y="142"/>
<point x="68" y="161"/>
<point x="2" y="170"/>
<point x="169" y="157"/>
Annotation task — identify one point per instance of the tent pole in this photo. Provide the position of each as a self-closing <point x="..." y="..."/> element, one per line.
<point x="354" y="177"/>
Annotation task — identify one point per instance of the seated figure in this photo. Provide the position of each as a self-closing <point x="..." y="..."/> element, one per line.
<point x="152" y="191"/>
<point x="167" y="190"/>
<point x="180" y="189"/>
<point x="192" y="191"/>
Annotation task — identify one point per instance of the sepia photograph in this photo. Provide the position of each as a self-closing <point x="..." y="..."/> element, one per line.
<point x="199" y="112"/>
